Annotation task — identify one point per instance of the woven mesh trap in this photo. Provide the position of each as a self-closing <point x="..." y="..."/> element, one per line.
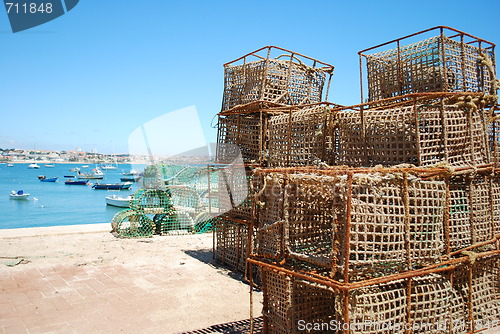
<point x="151" y="201"/>
<point x="241" y="133"/>
<point x="153" y="178"/>
<point x="175" y="222"/>
<point x="231" y="243"/>
<point x="129" y="223"/>
<point x="285" y="78"/>
<point x="235" y="191"/>
<point x="300" y="136"/>
<point x="303" y="215"/>
<point x="423" y="135"/>
<point x="436" y="64"/>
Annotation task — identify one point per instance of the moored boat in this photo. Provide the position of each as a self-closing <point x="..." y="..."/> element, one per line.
<point x="112" y="186"/>
<point x="49" y="165"/>
<point x="33" y="166"/>
<point x="76" y="182"/>
<point x="10" y="165"/>
<point x="95" y="174"/>
<point x="43" y="178"/>
<point x="130" y="178"/>
<point x="21" y="195"/>
<point x="118" y="201"/>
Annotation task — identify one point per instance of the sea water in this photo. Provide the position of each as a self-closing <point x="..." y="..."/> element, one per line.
<point x="55" y="203"/>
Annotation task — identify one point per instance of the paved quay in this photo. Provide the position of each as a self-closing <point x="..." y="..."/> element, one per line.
<point x="81" y="279"/>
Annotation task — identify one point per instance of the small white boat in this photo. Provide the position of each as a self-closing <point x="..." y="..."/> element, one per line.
<point x="119" y="201"/>
<point x="10" y="165"/>
<point x="49" y="165"/>
<point x="85" y="166"/>
<point x="109" y="167"/>
<point x="19" y="195"/>
<point x="33" y="166"/>
<point x="76" y="169"/>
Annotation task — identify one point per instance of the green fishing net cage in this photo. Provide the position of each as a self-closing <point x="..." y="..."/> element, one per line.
<point x="151" y="201"/>
<point x="153" y="178"/>
<point x="130" y="223"/>
<point x="174" y="222"/>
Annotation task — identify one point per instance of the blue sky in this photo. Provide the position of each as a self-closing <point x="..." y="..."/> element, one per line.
<point x="92" y="76"/>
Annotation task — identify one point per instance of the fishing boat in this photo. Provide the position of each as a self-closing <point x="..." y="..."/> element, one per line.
<point x="69" y="176"/>
<point x="131" y="172"/>
<point x="112" y="186"/>
<point x="130" y="178"/>
<point x="43" y="178"/>
<point x="33" y="166"/>
<point x="119" y="201"/>
<point x="76" y="182"/>
<point x="95" y="174"/>
<point x="10" y="165"/>
<point x="19" y="195"/>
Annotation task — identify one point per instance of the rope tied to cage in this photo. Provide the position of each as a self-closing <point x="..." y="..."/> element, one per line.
<point x="261" y="192"/>
<point x="473" y="256"/>
<point x="485" y="60"/>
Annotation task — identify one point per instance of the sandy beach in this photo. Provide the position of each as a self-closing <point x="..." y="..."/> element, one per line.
<point x="80" y="279"/>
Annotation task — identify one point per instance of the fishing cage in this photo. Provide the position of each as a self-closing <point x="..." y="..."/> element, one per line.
<point x="153" y="177"/>
<point x="458" y="296"/>
<point x="236" y="192"/>
<point x="357" y="224"/>
<point x="130" y="223"/>
<point x="420" y="129"/>
<point x="301" y="135"/>
<point x="231" y="242"/>
<point x="242" y="132"/>
<point x="276" y="75"/>
<point x="174" y="222"/>
<point x="449" y="61"/>
<point x="151" y="201"/>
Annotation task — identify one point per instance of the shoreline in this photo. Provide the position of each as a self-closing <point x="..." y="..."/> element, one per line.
<point x="54" y="230"/>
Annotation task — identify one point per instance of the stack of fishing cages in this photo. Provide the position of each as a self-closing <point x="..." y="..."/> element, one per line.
<point x="372" y="250"/>
<point x="174" y="200"/>
<point x="404" y="231"/>
<point x="255" y="87"/>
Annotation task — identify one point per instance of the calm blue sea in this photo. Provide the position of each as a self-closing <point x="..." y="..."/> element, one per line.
<point x="55" y="204"/>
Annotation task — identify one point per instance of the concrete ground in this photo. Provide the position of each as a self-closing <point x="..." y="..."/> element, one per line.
<point x="81" y="279"/>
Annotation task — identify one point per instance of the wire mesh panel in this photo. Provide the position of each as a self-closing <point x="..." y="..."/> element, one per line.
<point x="235" y="191"/>
<point x="290" y="304"/>
<point x="423" y="134"/>
<point x="478" y="287"/>
<point x="381" y="308"/>
<point x="129" y="223"/>
<point x="174" y="222"/>
<point x="495" y="193"/>
<point x="299" y="137"/>
<point x="455" y="63"/>
<point x="185" y="198"/>
<point x="241" y="134"/>
<point x="286" y="78"/>
<point x="231" y="243"/>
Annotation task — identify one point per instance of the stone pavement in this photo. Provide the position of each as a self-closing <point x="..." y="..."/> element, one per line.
<point x="167" y="291"/>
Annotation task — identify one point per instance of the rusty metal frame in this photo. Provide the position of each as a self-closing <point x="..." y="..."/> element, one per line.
<point x="442" y="30"/>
